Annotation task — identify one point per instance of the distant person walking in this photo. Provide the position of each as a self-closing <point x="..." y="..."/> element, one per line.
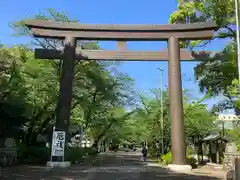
<point x="144" y="153"/>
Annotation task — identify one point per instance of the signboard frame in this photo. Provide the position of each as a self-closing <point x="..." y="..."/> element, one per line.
<point x="58" y="139"/>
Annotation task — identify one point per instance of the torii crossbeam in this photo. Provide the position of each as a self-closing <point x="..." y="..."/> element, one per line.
<point x="171" y="33"/>
<point x="118" y="55"/>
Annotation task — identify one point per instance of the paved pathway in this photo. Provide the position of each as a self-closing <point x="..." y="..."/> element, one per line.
<point x="112" y="166"/>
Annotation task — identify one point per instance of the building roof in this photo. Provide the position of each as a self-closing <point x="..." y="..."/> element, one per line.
<point x="213" y="137"/>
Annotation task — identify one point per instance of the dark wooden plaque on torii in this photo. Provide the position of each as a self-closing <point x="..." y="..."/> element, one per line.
<point x="171" y="33"/>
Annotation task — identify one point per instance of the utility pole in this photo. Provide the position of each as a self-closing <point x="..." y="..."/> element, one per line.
<point x="161" y="104"/>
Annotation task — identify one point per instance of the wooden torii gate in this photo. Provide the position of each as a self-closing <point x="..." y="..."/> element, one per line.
<point x="172" y="33"/>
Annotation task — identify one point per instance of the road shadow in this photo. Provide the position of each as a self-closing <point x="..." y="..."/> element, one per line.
<point x="164" y="173"/>
<point x="106" y="168"/>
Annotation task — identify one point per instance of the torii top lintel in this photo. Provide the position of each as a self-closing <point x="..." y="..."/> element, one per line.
<point x="154" y="32"/>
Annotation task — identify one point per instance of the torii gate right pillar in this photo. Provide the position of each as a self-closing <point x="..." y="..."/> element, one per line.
<point x="176" y="102"/>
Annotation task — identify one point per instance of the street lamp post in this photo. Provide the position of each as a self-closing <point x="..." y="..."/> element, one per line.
<point x="238" y="37"/>
<point x="161" y="102"/>
<point x="237" y="161"/>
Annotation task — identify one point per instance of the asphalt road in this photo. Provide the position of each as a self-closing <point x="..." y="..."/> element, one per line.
<point x="109" y="166"/>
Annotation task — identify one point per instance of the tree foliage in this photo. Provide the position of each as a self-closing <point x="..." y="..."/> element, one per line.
<point x="217" y="74"/>
<point x="145" y="124"/>
<point x="97" y="94"/>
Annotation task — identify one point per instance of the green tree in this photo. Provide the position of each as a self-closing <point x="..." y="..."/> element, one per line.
<point x="217" y="74"/>
<point x="97" y="94"/>
<point x="145" y="124"/>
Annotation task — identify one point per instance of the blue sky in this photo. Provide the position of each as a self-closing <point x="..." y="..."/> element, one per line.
<point x="119" y="12"/>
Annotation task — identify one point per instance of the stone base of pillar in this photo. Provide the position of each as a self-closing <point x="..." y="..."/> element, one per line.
<point x="58" y="164"/>
<point x="180" y="168"/>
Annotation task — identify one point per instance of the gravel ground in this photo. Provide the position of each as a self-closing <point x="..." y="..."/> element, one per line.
<point x="109" y="166"/>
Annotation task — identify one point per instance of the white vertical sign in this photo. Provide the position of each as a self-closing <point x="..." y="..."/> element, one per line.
<point x="58" y="143"/>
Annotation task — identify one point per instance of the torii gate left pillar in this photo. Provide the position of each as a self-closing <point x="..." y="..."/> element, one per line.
<point x="170" y="33"/>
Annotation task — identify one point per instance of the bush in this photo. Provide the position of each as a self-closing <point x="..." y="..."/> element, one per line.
<point x="154" y="152"/>
<point x="40" y="155"/>
<point x="74" y="154"/>
<point x="114" y="147"/>
<point x="167" y="158"/>
<point x="33" y="154"/>
<point x="91" y="151"/>
<point x="189" y="151"/>
<point x="151" y="152"/>
<point x="192" y="161"/>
